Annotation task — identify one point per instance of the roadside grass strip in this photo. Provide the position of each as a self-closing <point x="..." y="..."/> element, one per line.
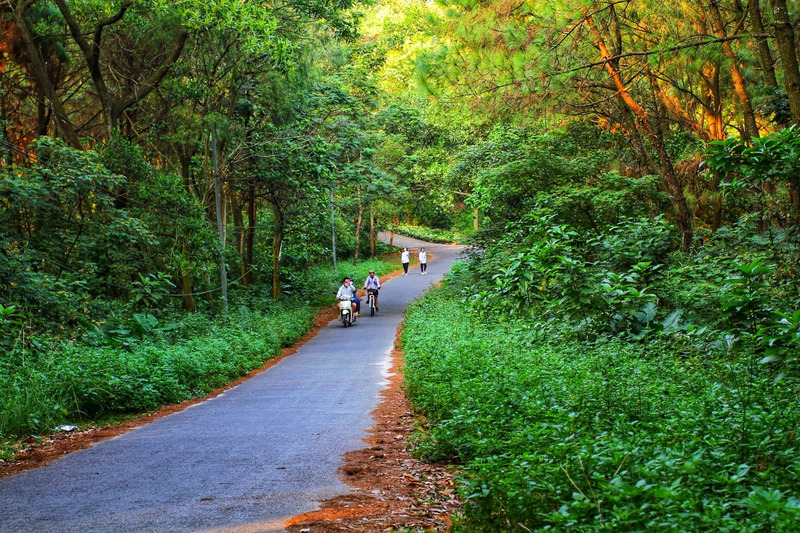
<point x="75" y="381"/>
<point x="601" y="436"/>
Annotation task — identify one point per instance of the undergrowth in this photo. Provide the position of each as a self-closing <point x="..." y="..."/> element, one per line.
<point x="555" y="432"/>
<point x="430" y="234"/>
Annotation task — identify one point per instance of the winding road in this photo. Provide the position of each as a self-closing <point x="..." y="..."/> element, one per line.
<point x="244" y="461"/>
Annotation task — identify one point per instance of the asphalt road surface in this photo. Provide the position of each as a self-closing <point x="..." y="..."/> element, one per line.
<point x="246" y="460"/>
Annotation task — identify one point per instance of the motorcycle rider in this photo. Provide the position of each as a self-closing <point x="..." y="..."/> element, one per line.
<point x="348" y="292"/>
<point x="373" y="283"/>
<point x="355" y="296"/>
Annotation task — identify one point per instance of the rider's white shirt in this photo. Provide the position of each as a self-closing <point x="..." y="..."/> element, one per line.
<point x="346" y="291"/>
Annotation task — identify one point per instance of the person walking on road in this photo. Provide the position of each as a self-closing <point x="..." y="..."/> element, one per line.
<point x="372" y="284"/>
<point x="423" y="261"/>
<point x="404" y="258"/>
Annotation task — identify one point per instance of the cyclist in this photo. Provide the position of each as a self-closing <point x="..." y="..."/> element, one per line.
<point x="372" y="284"/>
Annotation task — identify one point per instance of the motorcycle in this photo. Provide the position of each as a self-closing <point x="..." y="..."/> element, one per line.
<point x="346" y="315"/>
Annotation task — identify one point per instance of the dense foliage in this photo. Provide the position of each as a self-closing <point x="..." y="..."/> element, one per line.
<point x="620" y="351"/>
<point x="425" y="233"/>
<point x="600" y="435"/>
<point x="589" y="374"/>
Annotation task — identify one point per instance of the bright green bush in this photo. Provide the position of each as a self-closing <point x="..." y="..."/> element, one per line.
<point x="319" y="285"/>
<point x="606" y="435"/>
<point x="430" y="234"/>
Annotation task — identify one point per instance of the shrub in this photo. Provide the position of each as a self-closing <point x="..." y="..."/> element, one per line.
<point x="429" y="234"/>
<point x="74" y="381"/>
<point x="600" y="435"/>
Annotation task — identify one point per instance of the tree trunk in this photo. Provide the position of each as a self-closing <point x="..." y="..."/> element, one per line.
<point x="764" y="53"/>
<point x="717" y="125"/>
<point x="784" y="35"/>
<point x="63" y="124"/>
<point x="475" y="220"/>
<point x="371" y="233"/>
<point x="237" y="212"/>
<point x="391" y="234"/>
<point x="42" y="114"/>
<point x="186" y="282"/>
<point x="277" y="243"/>
<point x="250" y="238"/>
<point x="212" y="302"/>
<point x="739" y="84"/>
<point x="673" y="182"/>
<point x="643" y="156"/>
<point x="359" y="221"/>
<point x="114" y="107"/>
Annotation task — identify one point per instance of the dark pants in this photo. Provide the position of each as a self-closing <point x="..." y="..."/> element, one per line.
<point x="405" y="268"/>
<point x="423" y="267"/>
<point x="358" y="303"/>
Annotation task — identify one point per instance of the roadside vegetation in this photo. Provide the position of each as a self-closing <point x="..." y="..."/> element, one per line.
<point x="589" y="375"/>
<point x="673" y="432"/>
<point x="424" y="233"/>
<point x="138" y="358"/>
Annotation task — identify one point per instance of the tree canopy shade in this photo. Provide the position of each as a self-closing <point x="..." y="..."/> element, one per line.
<point x="440" y="112"/>
<point x="133" y="46"/>
<point x="648" y="68"/>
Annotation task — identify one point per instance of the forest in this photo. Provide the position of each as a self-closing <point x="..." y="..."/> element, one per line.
<point x="183" y="183"/>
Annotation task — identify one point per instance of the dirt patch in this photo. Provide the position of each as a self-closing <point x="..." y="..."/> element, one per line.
<point x="393" y="490"/>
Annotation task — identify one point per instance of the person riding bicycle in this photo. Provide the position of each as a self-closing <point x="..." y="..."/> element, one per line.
<point x="348" y="292"/>
<point x="372" y="284"/>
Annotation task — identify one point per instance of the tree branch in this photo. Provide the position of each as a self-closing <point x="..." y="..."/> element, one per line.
<point x="671" y="49"/>
<point x="155" y="78"/>
<point x="98" y="32"/>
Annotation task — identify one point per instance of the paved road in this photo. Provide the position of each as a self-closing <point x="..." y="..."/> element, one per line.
<point x="244" y="461"/>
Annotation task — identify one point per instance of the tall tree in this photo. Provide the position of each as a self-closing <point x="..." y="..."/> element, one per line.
<point x="787" y="45"/>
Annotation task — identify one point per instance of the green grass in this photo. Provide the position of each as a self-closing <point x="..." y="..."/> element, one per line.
<point x="430" y="234"/>
<point x="600" y="436"/>
<point x="75" y="381"/>
<point x="319" y="285"/>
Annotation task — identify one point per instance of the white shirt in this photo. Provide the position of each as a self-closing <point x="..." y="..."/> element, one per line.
<point x="345" y="291"/>
<point x="423" y="257"/>
<point x="404" y="257"/>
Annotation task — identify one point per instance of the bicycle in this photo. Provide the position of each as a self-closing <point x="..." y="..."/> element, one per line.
<point x="373" y="293"/>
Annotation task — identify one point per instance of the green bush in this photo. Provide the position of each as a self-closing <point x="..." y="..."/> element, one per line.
<point x="319" y="285"/>
<point x="430" y="234"/>
<point x="73" y="381"/>
<point x="607" y="435"/>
